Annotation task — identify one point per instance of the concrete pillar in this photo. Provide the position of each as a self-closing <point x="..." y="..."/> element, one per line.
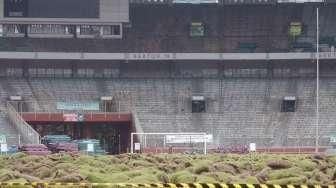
<point x="66" y="30"/>
<point x="101" y="30"/>
<point x="78" y="30"/>
<point x="1" y="30"/>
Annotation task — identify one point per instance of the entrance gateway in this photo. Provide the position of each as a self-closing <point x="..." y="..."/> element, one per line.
<point x="112" y="129"/>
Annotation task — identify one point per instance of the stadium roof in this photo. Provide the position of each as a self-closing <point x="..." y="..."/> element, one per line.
<point x="228" y="1"/>
<point x="165" y="56"/>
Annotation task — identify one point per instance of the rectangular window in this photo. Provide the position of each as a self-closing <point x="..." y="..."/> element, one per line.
<point x="89" y="30"/>
<point x="288" y="104"/>
<point x="196" y="29"/>
<point x="198" y="104"/>
<point x="111" y="30"/>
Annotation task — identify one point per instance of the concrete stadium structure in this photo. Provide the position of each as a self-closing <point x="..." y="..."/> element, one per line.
<point x="166" y="28"/>
<point x="243" y="99"/>
<point x="243" y="92"/>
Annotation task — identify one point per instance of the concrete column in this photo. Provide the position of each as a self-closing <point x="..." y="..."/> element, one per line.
<point x="101" y="30"/>
<point x="78" y="30"/>
<point x="66" y="30"/>
<point x="1" y="30"/>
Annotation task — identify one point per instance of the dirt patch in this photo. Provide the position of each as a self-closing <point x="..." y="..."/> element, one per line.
<point x="251" y="168"/>
<point x="279" y="164"/>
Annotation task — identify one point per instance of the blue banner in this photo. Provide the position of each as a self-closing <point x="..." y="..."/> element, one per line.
<point x="92" y="106"/>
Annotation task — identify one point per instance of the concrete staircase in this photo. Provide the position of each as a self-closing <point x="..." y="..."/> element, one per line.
<point x="7" y="129"/>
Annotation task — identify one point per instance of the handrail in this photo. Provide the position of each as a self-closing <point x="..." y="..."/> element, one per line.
<point x="165" y="56"/>
<point x="137" y="126"/>
<point x="30" y="136"/>
<point x="136" y="122"/>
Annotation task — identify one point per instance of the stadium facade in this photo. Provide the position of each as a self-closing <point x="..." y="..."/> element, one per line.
<point x="242" y="71"/>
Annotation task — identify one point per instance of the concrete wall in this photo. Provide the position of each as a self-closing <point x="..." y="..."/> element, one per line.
<point x="114" y="10"/>
<point x="2" y="8"/>
<point x="243" y="100"/>
<point x="110" y="11"/>
<point x="164" y="28"/>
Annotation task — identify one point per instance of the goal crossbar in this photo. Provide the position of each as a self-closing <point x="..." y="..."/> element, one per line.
<point x="201" y="134"/>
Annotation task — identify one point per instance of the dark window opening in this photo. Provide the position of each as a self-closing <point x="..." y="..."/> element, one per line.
<point x="115" y="30"/>
<point x="112" y="30"/>
<point x="288" y="105"/>
<point x="198" y="106"/>
<point x="108" y="104"/>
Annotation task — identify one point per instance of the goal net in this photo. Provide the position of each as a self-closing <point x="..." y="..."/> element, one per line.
<point x="190" y="143"/>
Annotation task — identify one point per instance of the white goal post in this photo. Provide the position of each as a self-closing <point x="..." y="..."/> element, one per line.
<point x="169" y="138"/>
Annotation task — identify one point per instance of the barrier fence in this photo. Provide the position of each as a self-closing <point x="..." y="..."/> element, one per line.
<point x="163" y="185"/>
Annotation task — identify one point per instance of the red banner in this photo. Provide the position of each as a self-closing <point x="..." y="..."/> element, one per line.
<point x="70" y="117"/>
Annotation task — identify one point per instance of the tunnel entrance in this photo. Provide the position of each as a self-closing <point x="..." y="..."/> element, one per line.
<point x="113" y="137"/>
<point x="112" y="130"/>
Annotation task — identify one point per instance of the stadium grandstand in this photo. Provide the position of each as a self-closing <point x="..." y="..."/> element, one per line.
<point x="241" y="71"/>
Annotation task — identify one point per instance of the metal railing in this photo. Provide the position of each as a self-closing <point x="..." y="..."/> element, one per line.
<point x="29" y="135"/>
<point x="13" y="139"/>
<point x="136" y="122"/>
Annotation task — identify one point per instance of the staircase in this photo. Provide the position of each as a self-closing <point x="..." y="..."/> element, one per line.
<point x="6" y="128"/>
<point x="11" y="133"/>
<point x="28" y="134"/>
